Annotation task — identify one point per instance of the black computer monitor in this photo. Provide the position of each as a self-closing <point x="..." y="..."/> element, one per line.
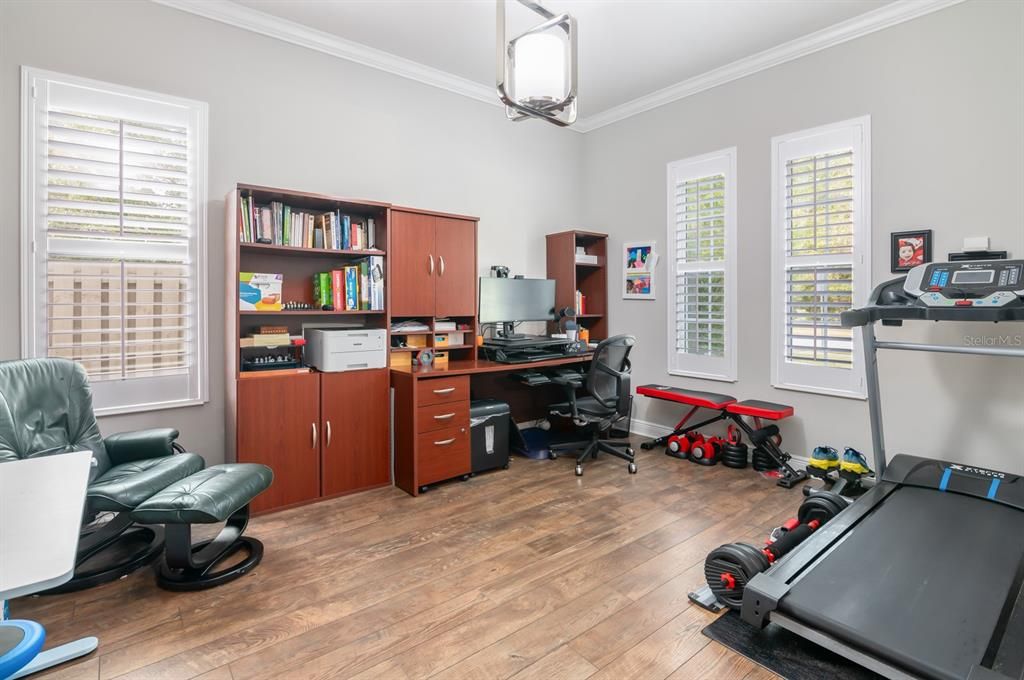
<point x="507" y="301"/>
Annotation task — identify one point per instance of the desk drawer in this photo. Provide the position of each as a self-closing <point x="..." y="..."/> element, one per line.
<point x="431" y="391"/>
<point x="440" y="416"/>
<point x="442" y="454"/>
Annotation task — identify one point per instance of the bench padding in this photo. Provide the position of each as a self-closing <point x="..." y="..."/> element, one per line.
<point x="710" y="400"/>
<point x="760" y="409"/>
<point x="209" y="496"/>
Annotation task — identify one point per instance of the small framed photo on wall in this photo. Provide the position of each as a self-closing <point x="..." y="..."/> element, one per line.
<point x="638" y="262"/>
<point x="909" y="249"/>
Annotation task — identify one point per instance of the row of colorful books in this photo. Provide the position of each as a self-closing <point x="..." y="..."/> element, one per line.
<point x="280" y="225"/>
<point x="354" y="287"/>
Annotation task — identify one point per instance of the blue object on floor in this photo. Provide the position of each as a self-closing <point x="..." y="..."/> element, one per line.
<point x="535" y="444"/>
<point x="20" y="642"/>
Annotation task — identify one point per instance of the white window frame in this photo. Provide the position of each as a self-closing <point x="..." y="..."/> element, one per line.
<point x="124" y="396"/>
<point x="722" y="368"/>
<point x="854" y="133"/>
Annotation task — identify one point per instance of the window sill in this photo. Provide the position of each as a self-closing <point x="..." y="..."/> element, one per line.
<point x="822" y="391"/>
<point x="143" y="408"/>
<point x="703" y="376"/>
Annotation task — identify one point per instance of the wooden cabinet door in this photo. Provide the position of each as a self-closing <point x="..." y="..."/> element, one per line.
<point x="413" y="264"/>
<point x="455" y="248"/>
<point x="355" y="408"/>
<point x="278" y="425"/>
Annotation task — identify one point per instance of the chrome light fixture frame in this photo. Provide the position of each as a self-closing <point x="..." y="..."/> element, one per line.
<point x="561" y="112"/>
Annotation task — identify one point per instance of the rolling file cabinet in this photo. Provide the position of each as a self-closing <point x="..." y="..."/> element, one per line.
<point x="431" y="429"/>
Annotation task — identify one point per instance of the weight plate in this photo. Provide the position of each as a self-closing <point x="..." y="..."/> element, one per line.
<point x="740" y="563"/>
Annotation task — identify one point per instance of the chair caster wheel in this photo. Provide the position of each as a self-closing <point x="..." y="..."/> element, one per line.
<point x="632" y="468"/>
<point x="465" y="478"/>
<point x="506" y="466"/>
<point x="424" y="489"/>
<point x="579" y="470"/>
<point x="631" y="452"/>
<point x="594" y="455"/>
<point x="647" y="446"/>
<point x="552" y="455"/>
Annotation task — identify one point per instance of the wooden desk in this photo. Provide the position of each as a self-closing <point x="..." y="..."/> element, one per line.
<point x="431" y="417"/>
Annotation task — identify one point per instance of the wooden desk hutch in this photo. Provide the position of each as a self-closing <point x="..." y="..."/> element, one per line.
<point x="327" y="434"/>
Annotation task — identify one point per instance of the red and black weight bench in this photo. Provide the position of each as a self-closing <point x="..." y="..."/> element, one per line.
<point x="766" y="437"/>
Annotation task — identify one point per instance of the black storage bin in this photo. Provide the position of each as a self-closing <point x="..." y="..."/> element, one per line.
<point x="489" y="434"/>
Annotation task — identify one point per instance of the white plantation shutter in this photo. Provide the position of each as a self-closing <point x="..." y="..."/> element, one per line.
<point x="116" y="231"/>
<point x="702" y="228"/>
<point x="821" y="232"/>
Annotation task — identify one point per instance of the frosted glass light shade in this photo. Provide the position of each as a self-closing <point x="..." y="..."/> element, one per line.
<point x="539" y="73"/>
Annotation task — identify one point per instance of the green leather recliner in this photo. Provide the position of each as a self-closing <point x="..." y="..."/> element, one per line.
<point x="45" y="408"/>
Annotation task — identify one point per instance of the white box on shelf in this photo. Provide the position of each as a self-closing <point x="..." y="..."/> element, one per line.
<point x="586" y="259"/>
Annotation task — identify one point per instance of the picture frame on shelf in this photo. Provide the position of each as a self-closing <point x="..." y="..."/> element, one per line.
<point x="639" y="259"/>
<point x="908" y="249"/>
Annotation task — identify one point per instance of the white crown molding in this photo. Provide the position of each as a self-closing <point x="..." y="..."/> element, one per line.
<point x="869" y="22"/>
<point x="271" y="26"/>
<point x="239" y="16"/>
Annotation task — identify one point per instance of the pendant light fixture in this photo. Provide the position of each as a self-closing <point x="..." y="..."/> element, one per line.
<point x="537" y="69"/>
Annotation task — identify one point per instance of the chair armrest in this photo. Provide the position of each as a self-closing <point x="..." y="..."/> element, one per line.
<point x="125" y="447"/>
<point x="566" y="381"/>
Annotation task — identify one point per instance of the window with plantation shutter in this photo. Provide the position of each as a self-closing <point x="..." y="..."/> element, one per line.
<point x="821" y="241"/>
<point x="114" y="238"/>
<point x="702" y="253"/>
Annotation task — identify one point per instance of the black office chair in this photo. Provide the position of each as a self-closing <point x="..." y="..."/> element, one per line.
<point x="608" y="400"/>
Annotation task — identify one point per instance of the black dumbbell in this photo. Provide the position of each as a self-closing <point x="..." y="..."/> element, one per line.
<point x="729" y="568"/>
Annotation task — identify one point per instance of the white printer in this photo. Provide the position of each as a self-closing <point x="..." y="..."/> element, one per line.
<point x="332" y="350"/>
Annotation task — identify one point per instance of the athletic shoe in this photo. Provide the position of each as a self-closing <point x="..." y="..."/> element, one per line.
<point x="824" y="458"/>
<point x="855" y="462"/>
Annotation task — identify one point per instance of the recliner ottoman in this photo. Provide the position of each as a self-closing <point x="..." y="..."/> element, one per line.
<point x="221" y="493"/>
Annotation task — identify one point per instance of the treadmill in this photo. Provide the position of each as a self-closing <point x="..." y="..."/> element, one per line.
<point x="921" y="576"/>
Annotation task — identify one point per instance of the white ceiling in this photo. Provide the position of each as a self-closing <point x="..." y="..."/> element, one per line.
<point x="628" y="48"/>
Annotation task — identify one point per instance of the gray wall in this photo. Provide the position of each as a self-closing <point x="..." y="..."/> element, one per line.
<point x="945" y="97"/>
<point x="362" y="133"/>
<point x="944" y="92"/>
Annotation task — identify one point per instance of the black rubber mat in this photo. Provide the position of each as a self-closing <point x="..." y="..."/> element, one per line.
<point x="782" y="652"/>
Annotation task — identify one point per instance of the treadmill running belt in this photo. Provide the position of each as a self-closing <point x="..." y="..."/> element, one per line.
<point x="934" y="608"/>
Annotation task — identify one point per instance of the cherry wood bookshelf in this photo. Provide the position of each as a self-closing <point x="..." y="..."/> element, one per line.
<point x="591" y="279"/>
<point x="323" y="434"/>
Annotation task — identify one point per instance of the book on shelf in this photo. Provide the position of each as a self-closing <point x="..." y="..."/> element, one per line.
<point x="282" y="225"/>
<point x="266" y="340"/>
<point x="355" y="287"/>
<point x="581" y="303"/>
<point x="273" y="372"/>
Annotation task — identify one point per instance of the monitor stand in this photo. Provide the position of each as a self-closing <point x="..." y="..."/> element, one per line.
<point x="508" y="331"/>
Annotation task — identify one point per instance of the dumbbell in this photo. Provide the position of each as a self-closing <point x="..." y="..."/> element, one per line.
<point x="678" y="446"/>
<point x="706" y="451"/>
<point x="729" y="568"/>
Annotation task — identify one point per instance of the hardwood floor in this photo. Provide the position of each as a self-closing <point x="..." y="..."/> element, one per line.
<point x="531" y="573"/>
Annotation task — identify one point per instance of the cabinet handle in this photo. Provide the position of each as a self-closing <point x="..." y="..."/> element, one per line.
<point x="431" y="259"/>
<point x="328" y="442"/>
<point x="444" y="416"/>
<point x="446" y="390"/>
<point x="440" y="259"/>
<point x="445" y="442"/>
<point x="314" y="435"/>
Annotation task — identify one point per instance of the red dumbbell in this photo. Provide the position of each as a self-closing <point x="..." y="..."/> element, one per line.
<point x="678" y="446"/>
<point x="707" y="451"/>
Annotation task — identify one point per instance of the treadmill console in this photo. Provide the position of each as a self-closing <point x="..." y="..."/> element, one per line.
<point x="981" y="283"/>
